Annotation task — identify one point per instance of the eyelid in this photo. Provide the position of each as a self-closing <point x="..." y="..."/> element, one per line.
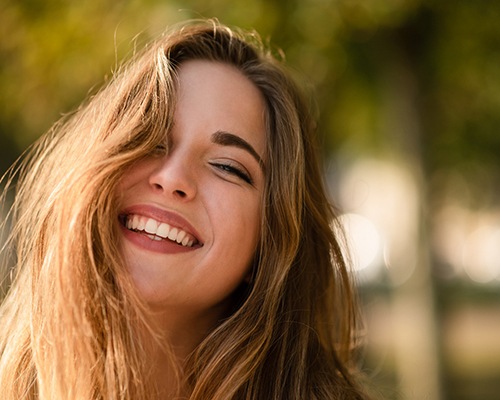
<point x="234" y="168"/>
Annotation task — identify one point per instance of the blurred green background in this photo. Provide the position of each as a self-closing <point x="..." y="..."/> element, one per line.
<point x="409" y="94"/>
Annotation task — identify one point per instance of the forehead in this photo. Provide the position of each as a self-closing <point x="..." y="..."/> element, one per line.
<point x="221" y="97"/>
<point x="205" y="78"/>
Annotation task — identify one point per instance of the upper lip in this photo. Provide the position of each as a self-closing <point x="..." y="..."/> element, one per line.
<point x="161" y="215"/>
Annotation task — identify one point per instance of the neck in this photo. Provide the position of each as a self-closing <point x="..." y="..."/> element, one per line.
<point x="177" y="336"/>
<point x="167" y="375"/>
<point x="165" y="363"/>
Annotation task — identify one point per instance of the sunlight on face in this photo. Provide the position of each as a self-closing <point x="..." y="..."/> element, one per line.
<point x="190" y="219"/>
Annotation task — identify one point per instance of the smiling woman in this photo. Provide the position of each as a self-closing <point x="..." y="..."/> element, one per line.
<point x="208" y="185"/>
<point x="174" y="239"/>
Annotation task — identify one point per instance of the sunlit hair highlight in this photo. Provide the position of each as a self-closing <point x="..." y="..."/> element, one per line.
<point x="72" y="319"/>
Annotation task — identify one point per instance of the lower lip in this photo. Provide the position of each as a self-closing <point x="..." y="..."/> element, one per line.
<point x="157" y="246"/>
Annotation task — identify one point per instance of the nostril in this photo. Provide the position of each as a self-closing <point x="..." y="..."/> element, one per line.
<point x="180" y="193"/>
<point x="172" y="183"/>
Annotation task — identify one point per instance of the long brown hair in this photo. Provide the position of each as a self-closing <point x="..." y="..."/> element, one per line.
<point x="71" y="321"/>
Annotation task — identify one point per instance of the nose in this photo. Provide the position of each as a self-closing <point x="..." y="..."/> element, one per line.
<point x="174" y="176"/>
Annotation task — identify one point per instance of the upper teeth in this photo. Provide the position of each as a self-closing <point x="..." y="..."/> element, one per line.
<point x="159" y="229"/>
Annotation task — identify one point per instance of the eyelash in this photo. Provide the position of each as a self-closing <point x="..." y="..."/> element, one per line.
<point x="159" y="150"/>
<point x="230" y="169"/>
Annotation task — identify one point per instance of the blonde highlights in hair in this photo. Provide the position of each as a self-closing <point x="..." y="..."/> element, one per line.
<point x="72" y="321"/>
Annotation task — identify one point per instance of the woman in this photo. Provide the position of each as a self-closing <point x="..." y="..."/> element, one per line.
<point x="173" y="239"/>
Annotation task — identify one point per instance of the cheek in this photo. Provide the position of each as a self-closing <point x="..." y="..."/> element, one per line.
<point x="239" y="229"/>
<point x="136" y="174"/>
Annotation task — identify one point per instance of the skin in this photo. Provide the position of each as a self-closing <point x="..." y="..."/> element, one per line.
<point x="209" y="183"/>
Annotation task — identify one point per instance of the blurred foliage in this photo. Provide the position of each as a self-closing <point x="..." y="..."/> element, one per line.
<point x="444" y="55"/>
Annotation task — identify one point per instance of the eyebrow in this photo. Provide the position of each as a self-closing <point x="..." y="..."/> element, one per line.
<point x="229" y="139"/>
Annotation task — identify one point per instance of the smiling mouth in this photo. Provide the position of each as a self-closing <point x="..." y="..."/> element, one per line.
<point x="158" y="231"/>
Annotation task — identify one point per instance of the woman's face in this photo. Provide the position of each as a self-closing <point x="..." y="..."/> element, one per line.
<point x="190" y="219"/>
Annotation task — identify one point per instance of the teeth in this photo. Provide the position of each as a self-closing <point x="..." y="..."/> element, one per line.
<point x="163" y="230"/>
<point x="173" y="234"/>
<point x="154" y="237"/>
<point x="158" y="231"/>
<point x="141" y="222"/>
<point x="180" y="236"/>
<point x="135" y="222"/>
<point x="151" y="226"/>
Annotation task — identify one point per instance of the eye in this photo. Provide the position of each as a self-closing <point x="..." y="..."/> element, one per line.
<point x="159" y="150"/>
<point x="230" y="168"/>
